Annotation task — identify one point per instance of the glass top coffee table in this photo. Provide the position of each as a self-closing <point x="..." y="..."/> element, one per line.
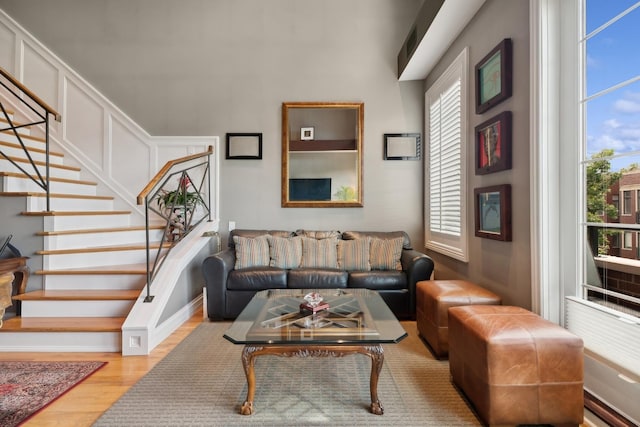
<point x="346" y="321"/>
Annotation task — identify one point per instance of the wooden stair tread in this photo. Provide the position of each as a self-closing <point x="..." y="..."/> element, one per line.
<point x="79" y="295"/>
<point x="63" y="324"/>
<point x="140" y="269"/>
<point x="41" y="163"/>
<point x="96" y="230"/>
<point x="35" y="150"/>
<point x="54" y="195"/>
<point x="74" y="213"/>
<point x="66" y="180"/>
<point x="112" y="248"/>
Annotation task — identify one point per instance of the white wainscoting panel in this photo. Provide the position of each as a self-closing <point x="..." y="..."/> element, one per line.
<point x="40" y="75"/>
<point x="84" y="125"/>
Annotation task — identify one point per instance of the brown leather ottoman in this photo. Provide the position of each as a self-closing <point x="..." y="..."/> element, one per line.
<point x="433" y="300"/>
<point x="516" y="367"/>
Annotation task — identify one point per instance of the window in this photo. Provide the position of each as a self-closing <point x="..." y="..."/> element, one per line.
<point x="610" y="155"/>
<point x="626" y="202"/>
<point x="445" y="190"/>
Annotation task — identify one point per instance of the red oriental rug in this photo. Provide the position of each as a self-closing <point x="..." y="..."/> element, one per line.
<point x="27" y="387"/>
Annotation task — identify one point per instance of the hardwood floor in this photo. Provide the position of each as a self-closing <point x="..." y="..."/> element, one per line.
<point x="84" y="404"/>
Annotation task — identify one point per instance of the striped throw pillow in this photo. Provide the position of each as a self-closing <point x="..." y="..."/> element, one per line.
<point x="353" y="255"/>
<point x="385" y="254"/>
<point x="285" y="252"/>
<point x="251" y="252"/>
<point x="321" y="253"/>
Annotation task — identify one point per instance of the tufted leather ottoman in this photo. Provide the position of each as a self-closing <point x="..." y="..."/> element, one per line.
<point x="516" y="367"/>
<point x="433" y="300"/>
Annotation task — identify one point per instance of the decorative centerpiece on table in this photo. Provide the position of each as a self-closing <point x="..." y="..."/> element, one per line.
<point x="313" y="303"/>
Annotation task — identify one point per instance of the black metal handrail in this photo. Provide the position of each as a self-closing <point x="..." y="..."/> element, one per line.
<point x="43" y="111"/>
<point x="180" y="209"/>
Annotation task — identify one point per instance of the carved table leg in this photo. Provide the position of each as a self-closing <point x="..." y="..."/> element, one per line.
<point x="248" y="359"/>
<point x="377" y="359"/>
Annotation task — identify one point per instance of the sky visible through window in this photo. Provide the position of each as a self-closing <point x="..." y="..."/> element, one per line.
<point x="613" y="57"/>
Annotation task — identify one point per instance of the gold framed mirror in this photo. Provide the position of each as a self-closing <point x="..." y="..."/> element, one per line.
<point x="322" y="154"/>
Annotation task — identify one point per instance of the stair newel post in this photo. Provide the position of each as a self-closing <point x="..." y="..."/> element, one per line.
<point x="209" y="180"/>
<point x="46" y="148"/>
<point x="149" y="297"/>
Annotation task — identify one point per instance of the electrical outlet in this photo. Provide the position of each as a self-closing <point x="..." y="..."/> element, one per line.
<point x="232" y="225"/>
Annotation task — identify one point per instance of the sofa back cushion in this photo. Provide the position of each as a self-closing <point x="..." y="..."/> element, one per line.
<point x="353" y="255"/>
<point x="255" y="233"/>
<point x="321" y="253"/>
<point x="251" y="252"/>
<point x="385" y="254"/>
<point x="352" y="235"/>
<point x="285" y="252"/>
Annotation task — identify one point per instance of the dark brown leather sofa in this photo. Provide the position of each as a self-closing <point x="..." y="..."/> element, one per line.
<point x="230" y="290"/>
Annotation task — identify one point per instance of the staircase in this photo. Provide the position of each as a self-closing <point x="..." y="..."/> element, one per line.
<point x="93" y="257"/>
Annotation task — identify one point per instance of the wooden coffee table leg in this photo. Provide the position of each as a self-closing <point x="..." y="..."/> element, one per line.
<point x="248" y="359"/>
<point x="377" y="359"/>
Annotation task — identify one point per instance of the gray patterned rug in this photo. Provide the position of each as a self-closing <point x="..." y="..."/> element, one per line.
<point x="202" y="383"/>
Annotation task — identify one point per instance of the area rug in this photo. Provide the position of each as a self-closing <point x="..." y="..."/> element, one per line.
<point x="27" y="387"/>
<point x="202" y="383"/>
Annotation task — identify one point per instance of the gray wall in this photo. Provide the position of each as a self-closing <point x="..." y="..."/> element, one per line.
<point x="211" y="67"/>
<point x="504" y="267"/>
<point x="204" y="67"/>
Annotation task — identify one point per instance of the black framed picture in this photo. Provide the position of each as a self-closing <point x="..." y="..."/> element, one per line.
<point x="244" y="146"/>
<point x="494" y="77"/>
<point x="493" y="212"/>
<point x="493" y="144"/>
<point x="402" y="146"/>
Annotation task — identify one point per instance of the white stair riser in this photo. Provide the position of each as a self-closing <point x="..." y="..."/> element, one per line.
<point x="61" y="342"/>
<point x="7" y="166"/>
<point x="22" y="131"/>
<point x="94" y="259"/>
<point x="55" y="308"/>
<point x="10" y="137"/>
<point x="87" y="240"/>
<point x="94" y="282"/>
<point x="74" y="222"/>
<point x="19" y="152"/>
<point x="12" y="183"/>
<point x="37" y="204"/>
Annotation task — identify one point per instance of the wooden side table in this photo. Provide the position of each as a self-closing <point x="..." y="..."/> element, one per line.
<point x="6" y="282"/>
<point x="18" y="267"/>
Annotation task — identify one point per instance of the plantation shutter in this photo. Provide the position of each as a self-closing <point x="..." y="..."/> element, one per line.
<point x="445" y="172"/>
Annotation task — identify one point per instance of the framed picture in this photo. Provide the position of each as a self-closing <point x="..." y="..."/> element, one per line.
<point x="494" y="77"/>
<point x="306" y="134"/>
<point x="493" y="144"/>
<point x="493" y="212"/>
<point x="402" y="146"/>
<point x="244" y="146"/>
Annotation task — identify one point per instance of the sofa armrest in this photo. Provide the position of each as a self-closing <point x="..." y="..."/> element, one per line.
<point x="418" y="267"/>
<point x="215" y="269"/>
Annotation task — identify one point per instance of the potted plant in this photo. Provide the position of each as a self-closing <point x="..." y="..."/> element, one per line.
<point x="178" y="206"/>
<point x="179" y="197"/>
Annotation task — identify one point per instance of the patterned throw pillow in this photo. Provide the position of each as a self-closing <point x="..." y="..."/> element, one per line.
<point x="353" y="255"/>
<point x="285" y="252"/>
<point x="385" y="254"/>
<point x="321" y="253"/>
<point x="251" y="252"/>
